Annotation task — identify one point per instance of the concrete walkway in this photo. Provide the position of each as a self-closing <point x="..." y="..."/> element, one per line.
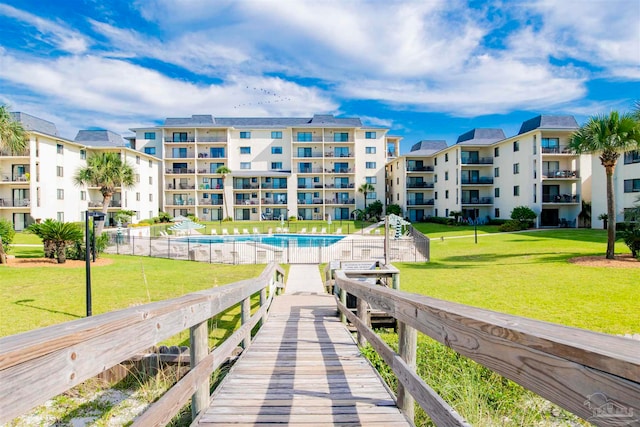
<point x="304" y="279"/>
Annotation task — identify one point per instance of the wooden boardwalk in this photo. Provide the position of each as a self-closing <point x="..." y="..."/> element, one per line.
<point x="303" y="368"/>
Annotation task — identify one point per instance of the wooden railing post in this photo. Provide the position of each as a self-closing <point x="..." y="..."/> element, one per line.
<point x="407" y="348"/>
<point x="199" y="349"/>
<point x="343" y="300"/>
<point x="263" y="301"/>
<point x="245" y="317"/>
<point x="363" y="315"/>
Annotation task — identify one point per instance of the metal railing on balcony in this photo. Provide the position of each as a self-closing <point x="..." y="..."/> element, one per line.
<point x="237" y="186"/>
<point x="480" y="181"/>
<point x="189" y="155"/>
<point x="246" y="202"/>
<point x="16" y="203"/>
<point x="421" y="202"/>
<point x="560" y="198"/>
<point x="477" y="201"/>
<point x="211" y="139"/>
<point x="420" y="169"/>
<point x="188" y="139"/>
<point x="561" y="174"/>
<point x="315" y="154"/>
<point x="340" y="170"/>
<point x="307" y="139"/>
<point x="476" y="160"/>
<point x="420" y="184"/>
<point x="351" y="185"/>
<point x="209" y="156"/>
<point x="339" y="202"/>
<point x="309" y="170"/>
<point x="338" y="155"/>
<point x="209" y="202"/>
<point x="267" y="201"/>
<point x="182" y="202"/>
<point x="269" y="185"/>
<point x="177" y="171"/>
<point x="561" y="149"/>
<point x="12" y="153"/>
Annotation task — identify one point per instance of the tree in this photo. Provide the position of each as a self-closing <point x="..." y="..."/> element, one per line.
<point x="224" y="171"/>
<point x="12" y="135"/>
<point x="107" y="171"/>
<point x="456" y="215"/>
<point x="57" y="236"/>
<point x="394" y="209"/>
<point x="374" y="210"/>
<point x="607" y="136"/>
<point x="523" y="214"/>
<point x="6" y="237"/>
<point x="365" y="189"/>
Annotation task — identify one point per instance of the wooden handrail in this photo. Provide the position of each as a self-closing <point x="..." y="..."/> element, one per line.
<point x="562" y="364"/>
<point x="40" y="364"/>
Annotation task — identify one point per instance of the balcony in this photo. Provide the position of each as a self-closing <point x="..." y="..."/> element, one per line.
<point x="210" y="202"/>
<point x="561" y="198"/>
<point x="339" y="202"/>
<point x="181" y="187"/>
<point x="15" y="178"/>
<point x="347" y="186"/>
<point x="182" y="202"/>
<point x="269" y="185"/>
<point x="237" y="186"/>
<point x="562" y="149"/>
<point x="316" y="154"/>
<point x="420" y="169"/>
<point x="112" y="204"/>
<point x="246" y="202"/>
<point x="476" y="160"/>
<point x="10" y="153"/>
<point x="340" y="170"/>
<point x="338" y="155"/>
<point x="17" y="203"/>
<point x="309" y="170"/>
<point x="179" y="171"/>
<point x="483" y="180"/>
<point x="420" y="185"/>
<point x="183" y="141"/>
<point x="477" y="201"/>
<point x="561" y="174"/>
<point x="211" y="139"/>
<point x="429" y="202"/>
<point x="266" y="201"/>
<point x="208" y="156"/>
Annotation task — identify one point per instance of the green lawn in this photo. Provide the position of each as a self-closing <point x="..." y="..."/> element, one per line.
<point x="527" y="274"/>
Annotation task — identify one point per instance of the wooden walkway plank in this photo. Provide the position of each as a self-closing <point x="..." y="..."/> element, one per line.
<point x="303" y="369"/>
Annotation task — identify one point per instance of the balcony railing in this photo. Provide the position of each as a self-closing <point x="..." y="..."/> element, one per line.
<point x="560" y="198"/>
<point x="17" y="203"/>
<point x="246" y="202"/>
<point x="420" y="169"/>
<point x="420" y="185"/>
<point x="351" y="185"/>
<point x="208" y="156"/>
<point x="561" y="174"/>
<point x="14" y="178"/>
<point x="11" y="153"/>
<point x="477" y="201"/>
<point x="267" y="201"/>
<point x="428" y="202"/>
<point x="181" y="187"/>
<point x="178" y="171"/>
<point x="269" y="185"/>
<point x="307" y="139"/>
<point x="340" y="170"/>
<point x="479" y="181"/>
<point x="562" y="149"/>
<point x="476" y="161"/>
<point x="182" y="202"/>
<point x="309" y="170"/>
<point x="338" y="155"/>
<point x="209" y="202"/>
<point x="339" y="202"/>
<point x="170" y="139"/>
<point x="211" y="139"/>
<point x="237" y="186"/>
<point x="315" y="154"/>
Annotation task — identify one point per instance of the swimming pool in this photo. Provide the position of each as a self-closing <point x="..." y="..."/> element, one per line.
<point x="278" y="240"/>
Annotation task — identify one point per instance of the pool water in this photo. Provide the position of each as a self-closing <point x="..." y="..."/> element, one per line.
<point x="278" y="240"/>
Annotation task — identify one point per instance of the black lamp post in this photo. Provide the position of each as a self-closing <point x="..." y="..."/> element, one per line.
<point x="97" y="216"/>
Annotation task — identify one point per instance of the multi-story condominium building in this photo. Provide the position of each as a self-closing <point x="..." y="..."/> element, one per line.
<point x="626" y="184"/>
<point x="38" y="183"/>
<point x="308" y="168"/>
<point x="485" y="175"/>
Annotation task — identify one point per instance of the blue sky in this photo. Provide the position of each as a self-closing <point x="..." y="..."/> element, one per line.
<point x="430" y="69"/>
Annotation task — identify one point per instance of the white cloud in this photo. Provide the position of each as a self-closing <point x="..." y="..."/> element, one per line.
<point x="54" y="33"/>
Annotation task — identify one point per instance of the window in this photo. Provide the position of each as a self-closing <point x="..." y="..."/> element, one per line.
<point x="137" y="160"/>
<point x="497" y="213"/>
<point x="59" y="171"/>
<point x="341" y="137"/>
<point x="60" y="194"/>
<point x="446" y="176"/>
<point x="446" y="157"/>
<point x="435" y="195"/>
<point x="496" y="192"/>
<point x="370" y="165"/>
<point x="516" y="168"/>
<point x="632" y="185"/>
<point x="150" y="197"/>
<point x="149" y="135"/>
<point x="372" y="195"/>
<point x="496" y="152"/>
<point x="370" y="135"/>
<point x="180" y="137"/>
<point x="276" y="150"/>
<point x="632" y="157"/>
<point x="516" y="190"/>
<point x="516" y="146"/>
<point x="304" y="137"/>
<point x="276" y="165"/>
<point x="446" y="194"/>
<point x="245" y="165"/>
<point x="137" y="197"/>
<point x="60" y="216"/>
<point x="370" y="150"/>
<point x="59" y="149"/>
<point x="276" y="134"/>
<point x="496" y="172"/>
<point x="83" y="195"/>
<point x="435" y="161"/>
<point x="435" y="178"/>
<point x="535" y="148"/>
<point x="371" y="179"/>
<point x="245" y="135"/>
<point x="150" y="150"/>
<point x="245" y="150"/>
<point x="150" y="163"/>
<point x="83" y="154"/>
<point x="150" y="180"/>
<point x="137" y="177"/>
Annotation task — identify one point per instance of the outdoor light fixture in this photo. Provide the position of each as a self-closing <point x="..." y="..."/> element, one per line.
<point x="97" y="216"/>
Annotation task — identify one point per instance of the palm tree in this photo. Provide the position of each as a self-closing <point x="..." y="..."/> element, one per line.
<point x="107" y="171"/>
<point x="56" y="236"/>
<point x="608" y="136"/>
<point x="365" y="189"/>
<point x="12" y="135"/>
<point x="224" y="171"/>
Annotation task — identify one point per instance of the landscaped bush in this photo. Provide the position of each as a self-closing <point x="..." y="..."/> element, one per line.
<point x="525" y="215"/>
<point x="513" y="225"/>
<point x="439" y="220"/>
<point x="6" y="233"/>
<point x="631" y="237"/>
<point x="496" y="221"/>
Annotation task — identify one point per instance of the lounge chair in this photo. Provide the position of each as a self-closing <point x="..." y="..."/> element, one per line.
<point x="214" y="232"/>
<point x="285" y="230"/>
<point x="377" y="231"/>
<point x="255" y="231"/>
<point x="278" y="230"/>
<point x="245" y="231"/>
<point x="270" y="230"/>
<point x="235" y="231"/>
<point x="225" y="232"/>
<point x="339" y="230"/>
<point x="324" y="230"/>
<point x="314" y="230"/>
<point x="303" y="231"/>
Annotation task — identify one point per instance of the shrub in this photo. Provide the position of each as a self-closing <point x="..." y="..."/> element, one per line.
<point x="525" y="215"/>
<point x="631" y="237"/>
<point x="513" y="225"/>
<point x="164" y="217"/>
<point x="438" y="220"/>
<point x="227" y="219"/>
<point x="7" y="234"/>
<point x="495" y="221"/>
<point x="394" y="209"/>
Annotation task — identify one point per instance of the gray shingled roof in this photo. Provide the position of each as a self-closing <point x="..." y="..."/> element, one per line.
<point x="427" y="147"/>
<point x="35" y="124"/>
<point x="481" y="136"/>
<point x="263" y="122"/>
<point x="100" y="138"/>
<point x="548" y="122"/>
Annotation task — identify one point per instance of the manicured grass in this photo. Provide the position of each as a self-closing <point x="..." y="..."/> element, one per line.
<point x="36" y="297"/>
<point x="24" y="238"/>
<point x="440" y="230"/>
<point x="527" y="274"/>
